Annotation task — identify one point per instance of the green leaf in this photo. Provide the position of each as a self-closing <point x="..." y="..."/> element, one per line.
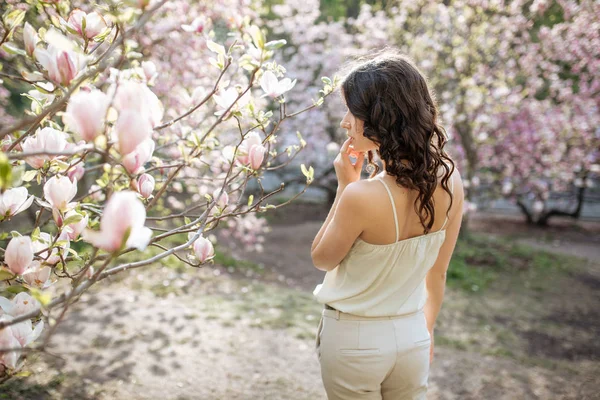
<point x="15" y="289"/>
<point x="73" y="219"/>
<point x="102" y="35"/>
<point x="309" y="173"/>
<point x="304" y="170"/>
<point x="215" y="63"/>
<point x="13" y="18"/>
<point x="250" y="200"/>
<point x="29" y="175"/>
<point x="326" y="80"/>
<point x="15" y="234"/>
<point x="275" y="44"/>
<point x="5" y="172"/>
<point x="217" y="48"/>
<point x="6" y="274"/>
<point x="258" y="37"/>
<point x="35" y="234"/>
<point x="10" y="48"/>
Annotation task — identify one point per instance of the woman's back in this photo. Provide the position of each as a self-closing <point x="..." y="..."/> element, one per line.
<point x="382" y="231"/>
<point x="384" y="272"/>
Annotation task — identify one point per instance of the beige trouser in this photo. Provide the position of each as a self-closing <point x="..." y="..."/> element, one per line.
<point x="373" y="357"/>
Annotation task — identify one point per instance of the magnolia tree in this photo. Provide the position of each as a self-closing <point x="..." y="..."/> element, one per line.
<point x="558" y="146"/>
<point x="99" y="159"/>
<point x="519" y="102"/>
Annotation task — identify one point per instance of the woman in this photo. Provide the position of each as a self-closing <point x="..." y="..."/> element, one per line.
<point x="387" y="241"/>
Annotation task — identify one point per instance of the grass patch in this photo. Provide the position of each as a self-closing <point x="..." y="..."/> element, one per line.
<point x="264" y="306"/>
<point x="479" y="260"/>
<point x="229" y="262"/>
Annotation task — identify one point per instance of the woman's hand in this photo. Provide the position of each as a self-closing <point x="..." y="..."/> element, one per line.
<point x="344" y="170"/>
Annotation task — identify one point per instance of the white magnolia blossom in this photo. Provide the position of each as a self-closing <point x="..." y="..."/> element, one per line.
<point x="274" y="88"/>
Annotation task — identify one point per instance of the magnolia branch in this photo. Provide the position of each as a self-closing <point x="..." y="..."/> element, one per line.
<point x="58" y="103"/>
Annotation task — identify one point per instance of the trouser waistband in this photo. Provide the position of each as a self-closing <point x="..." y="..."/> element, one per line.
<point x="331" y="312"/>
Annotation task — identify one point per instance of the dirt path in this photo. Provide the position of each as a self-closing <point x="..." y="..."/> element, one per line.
<point x="221" y="333"/>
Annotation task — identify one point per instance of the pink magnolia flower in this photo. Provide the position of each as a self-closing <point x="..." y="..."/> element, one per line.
<point x="139" y="112"/>
<point x="30" y="37"/>
<point x="251" y="151"/>
<point x="197" y="26"/>
<point x="145" y="185"/>
<point x="86" y="112"/>
<point x="132" y="129"/>
<point x="74" y="230"/>
<point x="252" y="139"/>
<point x="223" y="200"/>
<point x="59" y="191"/>
<point x="137" y="97"/>
<point x="256" y="155"/>
<point x="47" y="139"/>
<point x="25" y="333"/>
<point x="21" y="304"/>
<point x="19" y="254"/>
<point x="62" y="64"/>
<point x="274" y="88"/>
<point x="134" y="161"/>
<point x="8" y="341"/>
<point x="150" y="71"/>
<point x="36" y="275"/>
<point x="76" y="173"/>
<point x="203" y="248"/>
<point x="124" y="214"/>
<point x="94" y="23"/>
<point x="13" y="201"/>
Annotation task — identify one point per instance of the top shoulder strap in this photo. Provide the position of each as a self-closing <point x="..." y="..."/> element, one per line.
<point x="393" y="206"/>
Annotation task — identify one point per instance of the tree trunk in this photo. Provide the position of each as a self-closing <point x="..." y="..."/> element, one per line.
<point x="543" y="220"/>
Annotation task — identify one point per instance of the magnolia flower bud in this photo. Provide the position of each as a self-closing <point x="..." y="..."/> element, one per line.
<point x="256" y="155"/>
<point x="149" y="69"/>
<point x="223" y="200"/>
<point x="59" y="191"/>
<point x="86" y="112"/>
<point x="132" y="129"/>
<point x="76" y="173"/>
<point x="252" y="139"/>
<point x="203" y="249"/>
<point x="19" y="254"/>
<point x="145" y="185"/>
<point x="62" y="65"/>
<point x="30" y="37"/>
<point x="134" y="161"/>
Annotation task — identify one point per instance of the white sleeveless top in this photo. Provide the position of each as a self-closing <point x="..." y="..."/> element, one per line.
<point x="375" y="280"/>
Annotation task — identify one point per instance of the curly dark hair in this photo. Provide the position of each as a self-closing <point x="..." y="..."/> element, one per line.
<point x="391" y="96"/>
